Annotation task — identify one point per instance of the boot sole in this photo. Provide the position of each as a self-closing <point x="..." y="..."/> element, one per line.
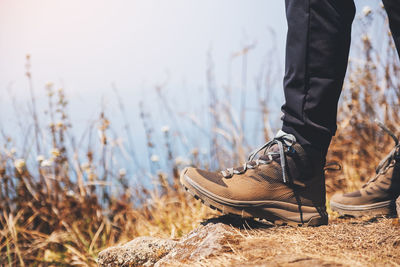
<point x="277" y="212"/>
<point x="375" y="209"/>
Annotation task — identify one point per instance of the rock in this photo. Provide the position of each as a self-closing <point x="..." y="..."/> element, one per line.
<point x="201" y="243"/>
<point x="360" y="241"/>
<point x="398" y="206"/>
<point x="142" y="251"/>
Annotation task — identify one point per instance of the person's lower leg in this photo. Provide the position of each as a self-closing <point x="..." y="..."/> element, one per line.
<point x="317" y="48"/>
<point x="378" y="195"/>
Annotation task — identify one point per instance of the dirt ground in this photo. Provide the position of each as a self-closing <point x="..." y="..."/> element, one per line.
<point x="232" y="241"/>
<point x="344" y="242"/>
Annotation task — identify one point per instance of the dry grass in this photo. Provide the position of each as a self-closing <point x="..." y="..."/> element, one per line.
<point x="344" y="242"/>
<point x="59" y="209"/>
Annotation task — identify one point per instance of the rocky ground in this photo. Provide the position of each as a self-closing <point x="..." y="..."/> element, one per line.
<point x="229" y="241"/>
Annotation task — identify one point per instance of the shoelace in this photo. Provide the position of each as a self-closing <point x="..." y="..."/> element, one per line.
<point x="282" y="140"/>
<point x="384" y="164"/>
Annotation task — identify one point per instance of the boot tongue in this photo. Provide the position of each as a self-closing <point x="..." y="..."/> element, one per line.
<point x="274" y="150"/>
<point x="281" y="133"/>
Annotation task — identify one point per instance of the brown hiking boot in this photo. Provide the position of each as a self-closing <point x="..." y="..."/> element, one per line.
<point x="285" y="185"/>
<point x="376" y="197"/>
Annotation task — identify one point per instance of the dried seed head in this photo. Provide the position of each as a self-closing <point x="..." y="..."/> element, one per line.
<point x="366" y="10"/>
<point x="40" y="158"/>
<point x="165" y="129"/>
<point x="55" y="152"/>
<point x="20" y="165"/>
<point x="122" y="172"/>
<point x="46" y="163"/>
<point x="155" y="158"/>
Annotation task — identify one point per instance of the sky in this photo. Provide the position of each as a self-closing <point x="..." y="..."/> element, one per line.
<point x="87" y="45"/>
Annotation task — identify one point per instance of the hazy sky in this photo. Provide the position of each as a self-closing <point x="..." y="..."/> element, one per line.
<point x="89" y="44"/>
<point x="85" y="46"/>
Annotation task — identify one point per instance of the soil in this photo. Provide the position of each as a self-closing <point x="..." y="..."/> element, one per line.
<point x="232" y="241"/>
<point x="344" y="242"/>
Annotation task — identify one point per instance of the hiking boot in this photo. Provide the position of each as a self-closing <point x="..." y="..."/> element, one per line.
<point x="377" y="197"/>
<point x="285" y="185"/>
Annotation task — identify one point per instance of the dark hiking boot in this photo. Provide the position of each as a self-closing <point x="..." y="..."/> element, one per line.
<point x="377" y="197"/>
<point x="285" y="185"/>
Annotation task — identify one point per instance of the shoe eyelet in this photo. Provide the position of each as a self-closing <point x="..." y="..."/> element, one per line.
<point x="226" y="175"/>
<point x="262" y="162"/>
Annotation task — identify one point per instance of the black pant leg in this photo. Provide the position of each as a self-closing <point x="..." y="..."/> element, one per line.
<point x="317" y="48"/>
<point x="393" y="10"/>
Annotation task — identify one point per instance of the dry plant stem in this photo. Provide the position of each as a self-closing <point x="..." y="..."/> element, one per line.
<point x="127" y="128"/>
<point x="33" y="104"/>
<point x="213" y="117"/>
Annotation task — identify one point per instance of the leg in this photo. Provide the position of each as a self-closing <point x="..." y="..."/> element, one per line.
<point x="317" y="48"/>
<point x="378" y="195"/>
<point x="393" y="10"/>
<point x="286" y="183"/>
